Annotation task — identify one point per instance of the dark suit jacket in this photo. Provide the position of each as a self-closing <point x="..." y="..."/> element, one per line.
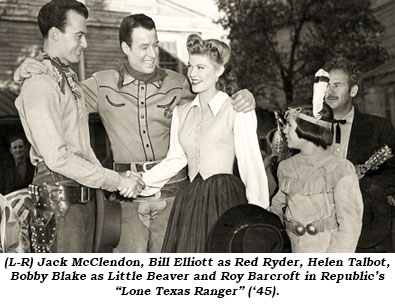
<point x="368" y="134"/>
<point x="7" y="176"/>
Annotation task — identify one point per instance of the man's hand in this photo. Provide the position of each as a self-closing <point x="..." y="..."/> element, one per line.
<point x="358" y="171"/>
<point x="131" y="185"/>
<point x="243" y="101"/>
<point x="29" y="67"/>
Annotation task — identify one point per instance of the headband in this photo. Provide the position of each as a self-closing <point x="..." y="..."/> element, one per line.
<point x="296" y="113"/>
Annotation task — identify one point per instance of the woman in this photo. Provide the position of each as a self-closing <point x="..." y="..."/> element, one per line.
<point x="207" y="134"/>
<point x="320" y="192"/>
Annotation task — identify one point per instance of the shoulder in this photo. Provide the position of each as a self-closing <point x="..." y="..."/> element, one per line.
<point x="286" y="166"/>
<point x="372" y="120"/>
<point x="106" y="76"/>
<point x="174" y="77"/>
<point x="338" y="168"/>
<point x="39" y="85"/>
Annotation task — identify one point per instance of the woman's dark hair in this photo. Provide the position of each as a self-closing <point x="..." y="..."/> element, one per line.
<point x="318" y="135"/>
<point x="54" y="14"/>
<point x="131" y="22"/>
<point x="219" y="53"/>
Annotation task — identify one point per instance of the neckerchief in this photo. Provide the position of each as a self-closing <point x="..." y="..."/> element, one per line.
<point x="124" y="67"/>
<point x="63" y="75"/>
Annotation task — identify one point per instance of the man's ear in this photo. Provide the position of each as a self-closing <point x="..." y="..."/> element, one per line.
<point x="354" y="90"/>
<point x="125" y="48"/>
<point x="220" y="71"/>
<point x="53" y="33"/>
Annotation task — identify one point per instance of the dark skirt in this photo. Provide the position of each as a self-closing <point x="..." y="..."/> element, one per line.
<point x="196" y="209"/>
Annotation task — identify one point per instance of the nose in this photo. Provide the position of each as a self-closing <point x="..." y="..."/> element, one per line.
<point x="286" y="129"/>
<point x="329" y="90"/>
<point x="151" y="52"/>
<point x="84" y="43"/>
<point x="192" y="71"/>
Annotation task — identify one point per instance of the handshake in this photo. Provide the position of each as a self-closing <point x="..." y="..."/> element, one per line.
<point x="130" y="184"/>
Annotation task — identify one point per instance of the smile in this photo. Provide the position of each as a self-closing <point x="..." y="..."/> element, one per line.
<point x="195" y="82"/>
<point x="149" y="62"/>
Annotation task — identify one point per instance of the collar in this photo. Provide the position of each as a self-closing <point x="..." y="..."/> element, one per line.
<point x="214" y="104"/>
<point x="349" y="117"/>
<point x="128" y="79"/>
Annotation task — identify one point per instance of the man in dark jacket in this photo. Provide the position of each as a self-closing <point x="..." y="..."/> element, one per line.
<point x="357" y="137"/>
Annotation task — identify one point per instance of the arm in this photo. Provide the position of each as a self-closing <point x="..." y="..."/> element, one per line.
<point x="91" y="93"/>
<point x="279" y="201"/>
<point x="243" y="101"/>
<point x="43" y="115"/>
<point x="249" y="159"/>
<point x="175" y="160"/>
<point x="349" y="209"/>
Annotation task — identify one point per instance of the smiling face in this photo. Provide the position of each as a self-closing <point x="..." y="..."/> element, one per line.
<point x="338" y="93"/>
<point x="143" y="54"/>
<point x="202" y="73"/>
<point x="72" y="41"/>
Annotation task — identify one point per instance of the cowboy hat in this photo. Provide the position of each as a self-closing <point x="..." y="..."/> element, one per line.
<point x="248" y="228"/>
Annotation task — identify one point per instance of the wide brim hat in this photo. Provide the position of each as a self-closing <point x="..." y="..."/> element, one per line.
<point x="248" y="228"/>
<point x="376" y="222"/>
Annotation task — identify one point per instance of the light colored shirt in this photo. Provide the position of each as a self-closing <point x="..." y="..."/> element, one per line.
<point x="209" y="143"/>
<point x="136" y="116"/>
<point x="56" y="126"/>
<point x="316" y="187"/>
<point x="341" y="149"/>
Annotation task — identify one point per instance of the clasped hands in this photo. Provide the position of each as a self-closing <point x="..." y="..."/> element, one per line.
<point x="130" y="184"/>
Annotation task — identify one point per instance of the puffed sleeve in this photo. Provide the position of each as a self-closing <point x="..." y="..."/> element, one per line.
<point x="349" y="211"/>
<point x="249" y="159"/>
<point x="174" y="161"/>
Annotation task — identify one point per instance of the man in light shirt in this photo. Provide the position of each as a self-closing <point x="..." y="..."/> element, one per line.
<point x="52" y="109"/>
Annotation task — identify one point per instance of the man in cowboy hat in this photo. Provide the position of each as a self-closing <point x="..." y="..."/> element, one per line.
<point x="357" y="137"/>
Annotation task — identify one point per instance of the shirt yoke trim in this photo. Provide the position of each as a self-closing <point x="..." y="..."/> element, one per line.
<point x="120" y="92"/>
<point x="165" y="93"/>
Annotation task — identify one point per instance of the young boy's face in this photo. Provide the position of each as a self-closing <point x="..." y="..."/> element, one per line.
<point x="293" y="140"/>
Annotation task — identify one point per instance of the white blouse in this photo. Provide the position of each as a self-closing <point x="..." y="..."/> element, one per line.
<point x="209" y="144"/>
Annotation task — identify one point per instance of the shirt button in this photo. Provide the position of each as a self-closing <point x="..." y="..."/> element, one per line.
<point x="143" y="131"/>
<point x="142" y="116"/>
<point x="147" y="145"/>
<point x="142" y="102"/>
<point x="142" y="88"/>
<point x="337" y="149"/>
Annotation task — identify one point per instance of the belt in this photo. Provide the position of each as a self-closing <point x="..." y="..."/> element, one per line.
<point x="313" y="228"/>
<point x="58" y="198"/>
<point x="134" y="166"/>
